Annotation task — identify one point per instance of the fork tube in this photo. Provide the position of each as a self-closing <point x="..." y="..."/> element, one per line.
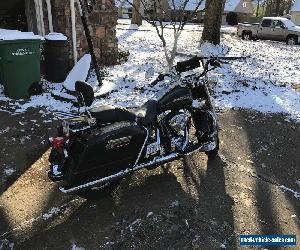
<point x="208" y="98"/>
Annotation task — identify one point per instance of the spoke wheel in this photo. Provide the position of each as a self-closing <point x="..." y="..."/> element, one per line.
<point x="213" y="153"/>
<point x="92" y="193"/>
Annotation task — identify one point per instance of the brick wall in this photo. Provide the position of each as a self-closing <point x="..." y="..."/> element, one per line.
<point x="102" y="22"/>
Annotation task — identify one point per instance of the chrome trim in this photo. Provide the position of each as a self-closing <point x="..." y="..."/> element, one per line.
<point x="66" y="115"/>
<point x="158" y="136"/>
<point x="186" y="142"/>
<point x="55" y="171"/>
<point x="66" y="153"/>
<point x="80" y="129"/>
<point x="139" y="156"/>
<point x="156" y="145"/>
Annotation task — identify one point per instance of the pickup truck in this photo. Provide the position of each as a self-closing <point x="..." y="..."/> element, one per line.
<point x="271" y="28"/>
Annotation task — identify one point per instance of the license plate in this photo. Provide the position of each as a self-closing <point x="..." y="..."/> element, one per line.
<point x="66" y="127"/>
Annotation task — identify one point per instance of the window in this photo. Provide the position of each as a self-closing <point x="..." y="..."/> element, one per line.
<point x="266" y="23"/>
<point x="244" y="4"/>
<point x="278" y="23"/>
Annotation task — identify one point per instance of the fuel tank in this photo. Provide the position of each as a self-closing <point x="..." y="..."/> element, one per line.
<point x="178" y="98"/>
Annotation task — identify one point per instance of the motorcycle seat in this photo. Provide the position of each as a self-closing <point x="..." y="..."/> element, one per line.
<point x="144" y="115"/>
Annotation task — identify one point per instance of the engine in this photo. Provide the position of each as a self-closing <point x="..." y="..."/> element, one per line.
<point x="174" y="126"/>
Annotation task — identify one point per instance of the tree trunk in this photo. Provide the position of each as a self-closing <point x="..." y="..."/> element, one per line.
<point x="277" y="10"/>
<point x="136" y="16"/>
<point x="212" y="21"/>
<point x="257" y="7"/>
<point x="269" y="5"/>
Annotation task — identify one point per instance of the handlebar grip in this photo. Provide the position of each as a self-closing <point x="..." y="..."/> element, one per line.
<point x="215" y="63"/>
<point x="187" y="65"/>
<point x="157" y="80"/>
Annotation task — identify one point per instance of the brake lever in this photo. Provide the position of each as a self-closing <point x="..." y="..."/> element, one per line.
<point x="214" y="63"/>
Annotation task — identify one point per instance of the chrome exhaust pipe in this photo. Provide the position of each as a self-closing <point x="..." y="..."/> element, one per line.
<point x="123" y="173"/>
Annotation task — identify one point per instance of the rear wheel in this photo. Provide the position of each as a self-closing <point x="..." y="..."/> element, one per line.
<point x="92" y="193"/>
<point x="246" y="35"/>
<point x="99" y="192"/>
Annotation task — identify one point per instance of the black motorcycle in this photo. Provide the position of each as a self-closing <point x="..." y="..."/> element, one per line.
<point x="93" y="151"/>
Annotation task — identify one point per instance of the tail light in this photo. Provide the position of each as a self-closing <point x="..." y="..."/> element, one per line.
<point x="63" y="137"/>
<point x="58" y="142"/>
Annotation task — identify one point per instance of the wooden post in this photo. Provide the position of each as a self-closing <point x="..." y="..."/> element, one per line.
<point x="49" y="10"/>
<point x="74" y="35"/>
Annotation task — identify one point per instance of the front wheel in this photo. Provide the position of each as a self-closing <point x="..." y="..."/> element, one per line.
<point x="213" y="153"/>
<point x="292" y="40"/>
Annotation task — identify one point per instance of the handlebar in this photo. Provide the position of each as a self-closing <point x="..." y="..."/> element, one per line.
<point x="194" y="63"/>
<point x="187" y="65"/>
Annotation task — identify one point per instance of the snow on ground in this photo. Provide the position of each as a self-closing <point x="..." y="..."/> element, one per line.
<point x="8" y="171"/>
<point x="45" y="100"/>
<point x="122" y="23"/>
<point x="74" y="247"/>
<point x="50" y="213"/>
<point x="264" y="82"/>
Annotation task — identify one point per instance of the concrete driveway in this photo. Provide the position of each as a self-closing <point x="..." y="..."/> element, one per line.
<point x="194" y="203"/>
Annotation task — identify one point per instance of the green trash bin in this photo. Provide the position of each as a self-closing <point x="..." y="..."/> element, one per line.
<point x="20" y="66"/>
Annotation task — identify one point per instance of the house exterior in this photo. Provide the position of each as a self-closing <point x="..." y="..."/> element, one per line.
<point x="243" y="9"/>
<point x="295" y="12"/>
<point x="124" y="9"/>
<point x="45" y="16"/>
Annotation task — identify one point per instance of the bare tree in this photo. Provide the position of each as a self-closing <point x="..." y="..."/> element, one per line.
<point x="257" y="7"/>
<point x="162" y="14"/>
<point x="212" y="21"/>
<point x="278" y="7"/>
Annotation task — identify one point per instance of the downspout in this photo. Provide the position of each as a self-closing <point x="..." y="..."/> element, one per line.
<point x="49" y="10"/>
<point x="74" y="36"/>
